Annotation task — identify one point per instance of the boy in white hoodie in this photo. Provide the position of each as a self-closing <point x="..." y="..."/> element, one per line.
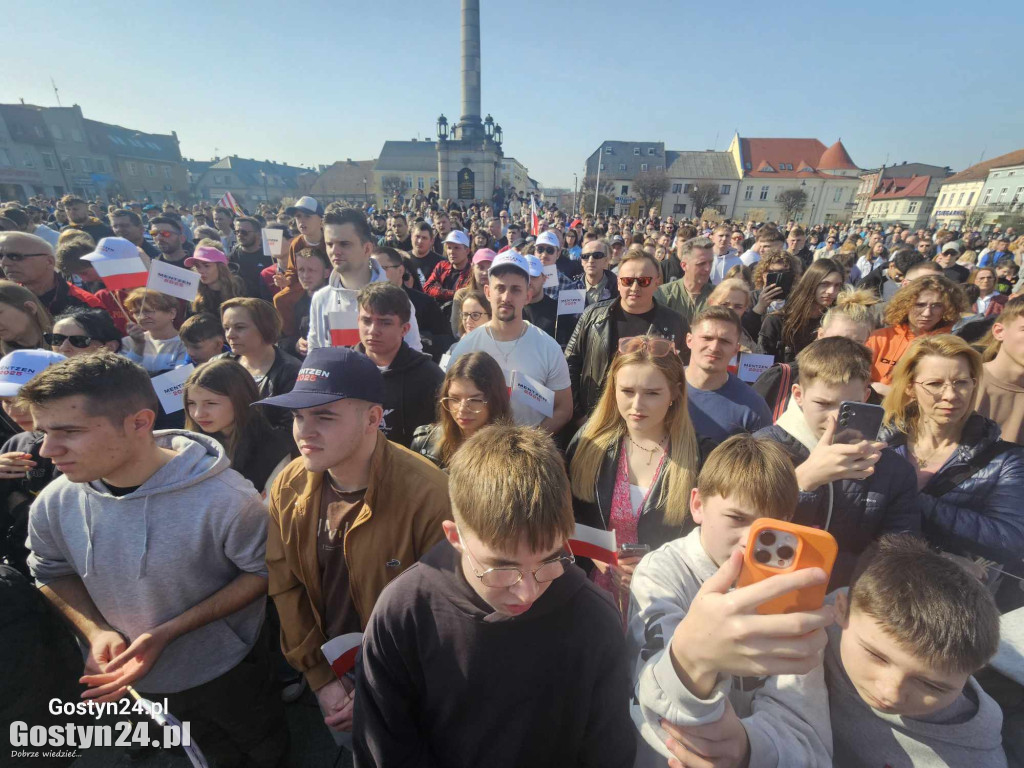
<point x="691" y="636"/>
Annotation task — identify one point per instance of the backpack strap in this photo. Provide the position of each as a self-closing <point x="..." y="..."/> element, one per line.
<point x="948" y="482"/>
<point x="785" y="389"/>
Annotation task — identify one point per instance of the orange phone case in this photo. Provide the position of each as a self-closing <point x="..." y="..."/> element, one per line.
<point x="815" y="548"/>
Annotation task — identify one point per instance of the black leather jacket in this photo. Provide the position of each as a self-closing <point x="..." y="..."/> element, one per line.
<point x="593" y="345"/>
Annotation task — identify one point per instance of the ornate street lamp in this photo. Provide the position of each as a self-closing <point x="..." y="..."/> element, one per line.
<point x="489" y="127"/>
<point x="442" y="128"/>
<point x="497" y="134"/>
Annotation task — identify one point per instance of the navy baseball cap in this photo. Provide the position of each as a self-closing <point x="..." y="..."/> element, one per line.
<point x="329" y="374"/>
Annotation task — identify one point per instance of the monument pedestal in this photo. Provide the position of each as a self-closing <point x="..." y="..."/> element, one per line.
<point x="468" y="172"/>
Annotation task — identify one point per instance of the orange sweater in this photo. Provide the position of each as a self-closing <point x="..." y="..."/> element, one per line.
<point x="888" y="345"/>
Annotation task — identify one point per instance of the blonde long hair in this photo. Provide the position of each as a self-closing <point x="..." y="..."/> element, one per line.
<point x="605" y="428"/>
<point x="901" y="411"/>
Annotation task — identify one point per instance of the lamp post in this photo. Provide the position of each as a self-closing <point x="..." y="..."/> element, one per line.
<point x="597" y="184"/>
<point x="442" y="128"/>
<point x="266" y="194"/>
<point x="575" y="184"/>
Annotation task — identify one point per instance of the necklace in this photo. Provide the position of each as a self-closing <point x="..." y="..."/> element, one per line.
<point x="924" y="462"/>
<point x="506" y="355"/>
<point x="649" y="451"/>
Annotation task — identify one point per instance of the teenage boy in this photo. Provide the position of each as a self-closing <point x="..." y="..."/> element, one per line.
<point x="488" y="629"/>
<point x="720" y="404"/>
<point x="689" y="634"/>
<point x="411" y="379"/>
<point x="346" y="517"/>
<point x="518" y="345"/>
<point x="1001" y="389"/>
<point x="203" y="337"/>
<point x="856" y="491"/>
<point x="248" y="257"/>
<point x="435" y="330"/>
<point x="909" y="635"/>
<point x="153" y="548"/>
<point x="312" y="270"/>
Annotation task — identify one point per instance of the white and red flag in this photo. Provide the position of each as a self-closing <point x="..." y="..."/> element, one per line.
<point x="344" y="327"/>
<point x="595" y="544"/>
<point x="341" y="652"/>
<point x="120" y="268"/>
<point x="228" y="201"/>
<point x="534" y="218"/>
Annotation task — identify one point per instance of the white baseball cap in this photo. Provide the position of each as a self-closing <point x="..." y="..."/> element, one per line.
<point x="536" y="268"/>
<point x="458" y="237"/>
<point x="548" y="238"/>
<point x="113" y="248"/>
<point x="511" y="259"/>
<point x="306" y="204"/>
<point x="18" y="367"/>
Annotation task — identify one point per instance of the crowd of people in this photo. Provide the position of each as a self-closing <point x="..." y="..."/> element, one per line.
<point x="419" y="479"/>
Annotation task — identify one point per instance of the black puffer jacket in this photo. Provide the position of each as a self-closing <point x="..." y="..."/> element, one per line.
<point x="594" y="343"/>
<point x="984" y="513"/>
<point x="17" y="495"/>
<point x="855" y="512"/>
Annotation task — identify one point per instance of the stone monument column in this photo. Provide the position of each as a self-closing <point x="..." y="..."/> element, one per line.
<point x="470" y="67"/>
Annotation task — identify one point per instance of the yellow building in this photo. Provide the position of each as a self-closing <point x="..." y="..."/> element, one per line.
<point x="960" y="194"/>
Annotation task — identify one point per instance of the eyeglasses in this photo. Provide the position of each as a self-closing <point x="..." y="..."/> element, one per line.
<point x="628" y="282"/>
<point x="469" y="404"/>
<point x="545" y="249"/>
<point x="474" y="316"/>
<point x="16" y="257"/>
<point x="78" y="342"/>
<point x="961" y="387"/>
<point x="923" y="307"/>
<point x="506" y="578"/>
<point x="653" y="345"/>
<point x="593" y="255"/>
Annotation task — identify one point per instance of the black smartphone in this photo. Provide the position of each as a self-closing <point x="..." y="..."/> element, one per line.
<point x="782" y="279"/>
<point x="633" y="550"/>
<point x="858" y="421"/>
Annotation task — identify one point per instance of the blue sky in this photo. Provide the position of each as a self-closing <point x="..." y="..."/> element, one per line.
<point x="919" y="81"/>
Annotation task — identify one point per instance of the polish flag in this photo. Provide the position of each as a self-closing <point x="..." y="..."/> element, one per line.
<point x="228" y="201"/>
<point x="595" y="544"/>
<point x="534" y="218"/>
<point x="122" y="274"/>
<point x="341" y="652"/>
<point x="344" y="327"/>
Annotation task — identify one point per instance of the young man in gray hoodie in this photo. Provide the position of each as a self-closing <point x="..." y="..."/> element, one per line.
<point x="154" y="550"/>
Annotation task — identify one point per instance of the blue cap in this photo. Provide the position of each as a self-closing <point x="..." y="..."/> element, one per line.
<point x="329" y="374"/>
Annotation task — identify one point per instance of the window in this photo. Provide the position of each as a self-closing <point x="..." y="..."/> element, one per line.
<point x="66" y="164"/>
<point x="912" y="207"/>
<point x="55" y="130"/>
<point x="76" y="135"/>
<point x="650" y="150"/>
<point x="942" y="200"/>
<point x="679" y="208"/>
<point x="86" y="166"/>
<point x="408" y="182"/>
<point x="748" y="167"/>
<point x="636" y="151"/>
<point x="1018" y="193"/>
<point x="150" y="170"/>
<point x="622" y="166"/>
<point x="677" y="188"/>
<point x="167" y="171"/>
<point x="970" y="197"/>
<point x="133" y="170"/>
<point x="988" y="195"/>
<point x="49" y="163"/>
<point x="625" y="189"/>
<point x="726" y="189"/>
<point x="420" y="182"/>
<point x="748" y="193"/>
<point x="687" y="189"/>
<point x="602" y="166"/>
<point x="659" y="168"/>
<point x="960" y="199"/>
<point x="764" y="193"/>
<point x="28" y="161"/>
<point x="838" y="196"/>
<point x="643" y="167"/>
<point x="1002" y="193"/>
<point x="609" y="150"/>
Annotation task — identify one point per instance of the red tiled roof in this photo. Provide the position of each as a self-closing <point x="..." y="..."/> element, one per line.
<point x="786" y="157"/>
<point x="836" y="158"/>
<point x="896" y="189"/>
<point x="979" y="171"/>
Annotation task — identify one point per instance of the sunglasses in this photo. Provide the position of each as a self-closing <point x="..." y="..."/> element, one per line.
<point x="592" y="255"/>
<point x="654" y="346"/>
<point x="78" y="342"/>
<point x="159" y="233"/>
<point x="16" y="257"/>
<point x="628" y="282"/>
<point x="545" y="249"/>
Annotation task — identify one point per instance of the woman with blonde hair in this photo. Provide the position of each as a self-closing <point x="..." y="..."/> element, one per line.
<point x="24" y="320"/>
<point x="634" y="462"/>
<point x="923" y="307"/>
<point x="216" y="282"/>
<point x="970" y="480"/>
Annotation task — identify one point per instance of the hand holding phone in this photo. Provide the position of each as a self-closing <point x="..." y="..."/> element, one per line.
<point x="831" y="460"/>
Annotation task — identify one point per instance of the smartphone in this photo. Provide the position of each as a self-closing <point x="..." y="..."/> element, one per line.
<point x="633" y="550"/>
<point x="776" y="547"/>
<point x="782" y="279"/>
<point x="858" y="421"/>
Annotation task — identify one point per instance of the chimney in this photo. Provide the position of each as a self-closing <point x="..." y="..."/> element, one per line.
<point x="470" y="62"/>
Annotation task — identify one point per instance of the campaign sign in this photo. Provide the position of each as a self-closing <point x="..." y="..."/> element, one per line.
<point x="572" y="302"/>
<point x="174" y="281"/>
<point x="532" y="394"/>
<point x="751" y="366"/>
<point x="273" y="242"/>
<point x="551" y="276"/>
<point x="170" y="388"/>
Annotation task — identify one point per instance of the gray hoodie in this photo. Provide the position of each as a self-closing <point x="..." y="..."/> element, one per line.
<point x="150" y="555"/>
<point x="967" y="733"/>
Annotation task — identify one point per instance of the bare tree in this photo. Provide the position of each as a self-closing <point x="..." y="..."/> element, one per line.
<point x="604" y="195"/>
<point x="756" y="214"/>
<point x="792" y="201"/>
<point x="704" y="195"/>
<point x="393" y="185"/>
<point x="649" y="188"/>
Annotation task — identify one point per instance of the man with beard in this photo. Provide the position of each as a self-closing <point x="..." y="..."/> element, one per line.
<point x="424" y="257"/>
<point x="77" y="211"/>
<point x="128" y="224"/>
<point x="248" y="256"/>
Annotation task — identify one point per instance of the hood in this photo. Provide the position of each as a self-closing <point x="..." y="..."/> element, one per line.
<point x="376" y="276"/>
<point x="445" y="565"/>
<point x="406" y="360"/>
<point x="197" y="458"/>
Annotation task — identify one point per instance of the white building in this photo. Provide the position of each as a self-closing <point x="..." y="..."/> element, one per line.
<point x="514" y="174"/>
<point x="619" y="163"/>
<point x="828" y="176"/>
<point x="1002" y="193"/>
<point x="905" y="201"/>
<point x="962" y="194"/>
<point x="688" y="169"/>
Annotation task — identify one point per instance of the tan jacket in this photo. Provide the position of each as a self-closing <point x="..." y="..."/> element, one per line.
<point x="406" y="500"/>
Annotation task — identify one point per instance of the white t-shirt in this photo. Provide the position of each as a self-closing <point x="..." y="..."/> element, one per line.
<point x="534" y="353"/>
